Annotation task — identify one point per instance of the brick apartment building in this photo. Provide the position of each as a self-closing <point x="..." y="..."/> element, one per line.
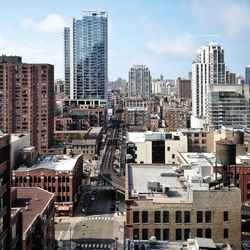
<point x="27" y="100"/>
<point x="59" y="174"/>
<point x="175" y="117"/>
<point x="4" y="191"/>
<point x="33" y="218"/>
<point x="81" y="119"/>
<point x="183" y="87"/>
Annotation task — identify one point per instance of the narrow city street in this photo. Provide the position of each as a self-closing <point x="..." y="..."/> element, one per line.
<point x="101" y="226"/>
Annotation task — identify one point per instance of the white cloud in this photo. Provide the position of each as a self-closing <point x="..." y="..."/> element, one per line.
<point x="231" y="17"/>
<point x="34" y="53"/>
<point x="182" y="46"/>
<point x="51" y="23"/>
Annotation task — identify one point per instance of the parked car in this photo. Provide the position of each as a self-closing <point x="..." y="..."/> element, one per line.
<point x="112" y="207"/>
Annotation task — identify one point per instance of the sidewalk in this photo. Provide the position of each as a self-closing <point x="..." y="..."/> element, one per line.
<point x="118" y="230"/>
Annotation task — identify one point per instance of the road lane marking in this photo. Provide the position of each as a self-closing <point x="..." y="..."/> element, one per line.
<point x="60" y="235"/>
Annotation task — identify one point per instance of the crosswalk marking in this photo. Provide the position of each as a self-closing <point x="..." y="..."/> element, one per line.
<point x="99" y="218"/>
<point x="101" y="246"/>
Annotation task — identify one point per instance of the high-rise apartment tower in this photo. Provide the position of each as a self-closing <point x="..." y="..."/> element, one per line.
<point x="139" y="82"/>
<point x="27" y="100"/>
<point x="86" y="57"/>
<point x="208" y="68"/>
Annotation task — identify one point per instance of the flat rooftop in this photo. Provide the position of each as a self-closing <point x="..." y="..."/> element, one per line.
<point x="174" y="188"/>
<point x="37" y="199"/>
<point x="150" y="136"/>
<point x="16" y="137"/>
<point x="2" y="134"/>
<point x="202" y="159"/>
<point x="94" y="130"/>
<point x="193" y="130"/>
<point x="55" y="162"/>
<point x="140" y="174"/>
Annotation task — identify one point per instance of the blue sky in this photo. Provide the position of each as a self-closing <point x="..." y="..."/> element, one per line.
<point x="162" y="34"/>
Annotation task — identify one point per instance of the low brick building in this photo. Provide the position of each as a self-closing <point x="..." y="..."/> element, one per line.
<point x="36" y="207"/>
<point x="59" y="174"/>
<point x="162" y="203"/>
<point x="88" y="145"/>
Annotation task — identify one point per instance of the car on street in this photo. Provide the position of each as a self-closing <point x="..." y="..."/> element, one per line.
<point x="112" y="207"/>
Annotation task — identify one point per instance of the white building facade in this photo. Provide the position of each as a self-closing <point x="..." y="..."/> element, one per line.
<point x="157" y="147"/>
<point x="208" y="68"/>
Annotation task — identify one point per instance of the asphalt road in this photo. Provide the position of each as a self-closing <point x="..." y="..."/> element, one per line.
<point x="97" y="229"/>
<point x="101" y="203"/>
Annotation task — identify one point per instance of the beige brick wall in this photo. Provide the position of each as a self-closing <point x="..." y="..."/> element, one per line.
<point x="215" y="201"/>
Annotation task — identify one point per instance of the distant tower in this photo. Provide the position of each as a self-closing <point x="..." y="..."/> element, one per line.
<point x="247" y="75"/>
<point x="208" y="68"/>
<point x="183" y="88"/>
<point x="139" y="82"/>
<point x="86" y="57"/>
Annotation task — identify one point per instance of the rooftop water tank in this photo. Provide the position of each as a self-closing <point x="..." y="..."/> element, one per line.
<point x="225" y="152"/>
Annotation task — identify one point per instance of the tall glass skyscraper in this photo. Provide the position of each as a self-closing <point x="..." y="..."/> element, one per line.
<point x="247" y="75"/>
<point x="86" y="57"/>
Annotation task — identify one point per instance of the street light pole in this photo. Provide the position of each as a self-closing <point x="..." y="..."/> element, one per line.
<point x="116" y="243"/>
<point x="70" y="237"/>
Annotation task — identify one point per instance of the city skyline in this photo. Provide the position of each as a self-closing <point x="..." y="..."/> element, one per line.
<point x="164" y="35"/>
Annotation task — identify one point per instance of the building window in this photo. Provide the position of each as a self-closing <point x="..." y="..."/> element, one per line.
<point x="165" y="234"/>
<point x="199" y="232"/>
<point x="144" y="217"/>
<point x="168" y="148"/>
<point x="157" y="216"/>
<point x="199" y="217"/>
<point x="208" y="233"/>
<point x="186" y="233"/>
<point x="225" y="216"/>
<point x="173" y="156"/>
<point x="158" y="234"/>
<point x="225" y="233"/>
<point x="136" y="235"/>
<point x="1" y="224"/>
<point x="145" y="234"/>
<point x="196" y="135"/>
<point x="165" y="216"/>
<point x="178" y="216"/>
<point x="208" y="216"/>
<point x="136" y="217"/>
<point x="196" y="141"/>
<point x="186" y="216"/>
<point x="204" y="141"/>
<point x="178" y="234"/>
